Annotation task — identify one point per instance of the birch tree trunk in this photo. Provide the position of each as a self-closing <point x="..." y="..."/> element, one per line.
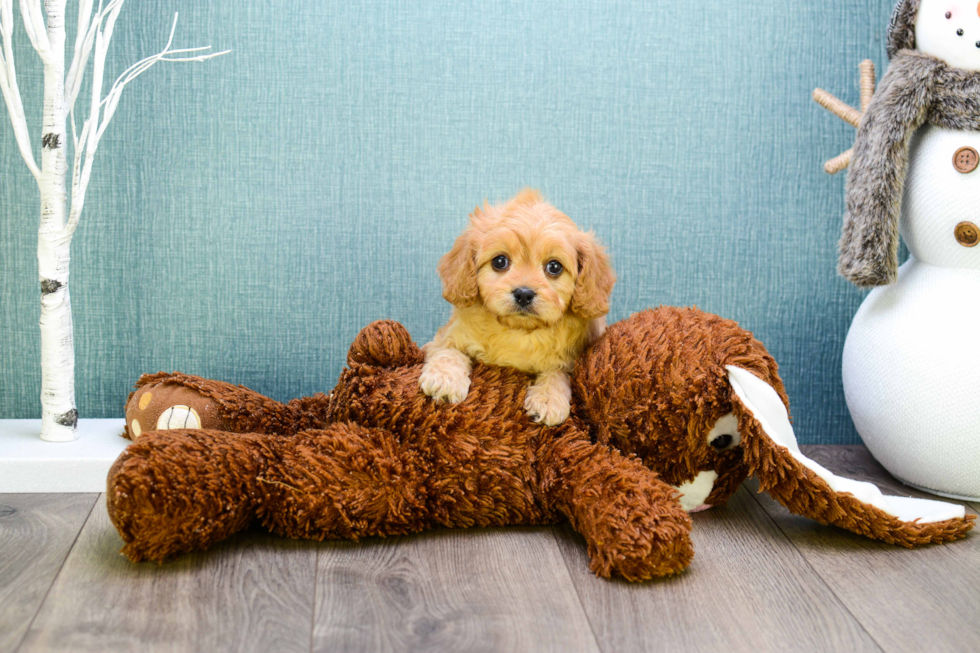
<point x="59" y="417"/>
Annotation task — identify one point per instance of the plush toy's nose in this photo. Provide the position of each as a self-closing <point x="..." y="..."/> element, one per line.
<point x="523" y="296"/>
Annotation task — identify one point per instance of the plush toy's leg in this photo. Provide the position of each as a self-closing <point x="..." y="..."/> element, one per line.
<point x="183" y="490"/>
<point x="632" y="521"/>
<point x="178" y="491"/>
<point x="808" y="489"/>
<point x="179" y="401"/>
<point x="346" y="481"/>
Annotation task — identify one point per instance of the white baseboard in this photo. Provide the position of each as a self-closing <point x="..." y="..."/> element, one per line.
<point x="28" y="464"/>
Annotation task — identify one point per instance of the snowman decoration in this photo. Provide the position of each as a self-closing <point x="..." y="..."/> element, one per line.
<point x="911" y="363"/>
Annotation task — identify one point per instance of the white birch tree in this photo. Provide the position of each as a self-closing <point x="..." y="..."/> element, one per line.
<point x="60" y="212"/>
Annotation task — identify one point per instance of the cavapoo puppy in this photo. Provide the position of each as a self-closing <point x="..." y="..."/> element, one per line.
<point x="530" y="291"/>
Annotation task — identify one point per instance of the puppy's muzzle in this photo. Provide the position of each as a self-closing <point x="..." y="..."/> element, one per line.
<point x="523" y="297"/>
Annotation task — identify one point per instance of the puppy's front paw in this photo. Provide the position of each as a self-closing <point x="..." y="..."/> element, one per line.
<point x="447" y="383"/>
<point x="547" y="404"/>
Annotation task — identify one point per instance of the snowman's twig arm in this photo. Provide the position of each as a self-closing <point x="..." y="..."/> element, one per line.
<point x="839" y="162"/>
<point x="867" y="68"/>
<point x="869" y="240"/>
<point x="831" y="103"/>
<point x="847" y="113"/>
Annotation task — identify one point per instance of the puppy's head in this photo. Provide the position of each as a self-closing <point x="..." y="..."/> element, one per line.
<point x="528" y="264"/>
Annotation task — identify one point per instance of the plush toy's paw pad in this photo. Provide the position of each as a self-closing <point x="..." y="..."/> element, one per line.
<point x="178" y="417"/>
<point x="384" y="343"/>
<point x="167" y="406"/>
<point x="546" y="406"/>
<point x="445" y="384"/>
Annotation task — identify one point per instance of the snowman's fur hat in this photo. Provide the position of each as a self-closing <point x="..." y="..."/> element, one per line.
<point x="917" y="89"/>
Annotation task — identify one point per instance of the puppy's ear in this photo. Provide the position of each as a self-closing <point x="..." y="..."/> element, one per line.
<point x="457" y="269"/>
<point x="595" y="279"/>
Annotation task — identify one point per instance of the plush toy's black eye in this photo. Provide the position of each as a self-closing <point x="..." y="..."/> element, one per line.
<point x="554" y="268"/>
<point x="721" y="442"/>
<point x="500" y="263"/>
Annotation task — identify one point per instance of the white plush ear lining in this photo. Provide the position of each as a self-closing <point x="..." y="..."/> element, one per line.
<point x="760" y="398"/>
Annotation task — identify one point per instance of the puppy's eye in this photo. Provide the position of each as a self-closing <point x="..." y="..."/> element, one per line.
<point x="554" y="268"/>
<point x="500" y="263"/>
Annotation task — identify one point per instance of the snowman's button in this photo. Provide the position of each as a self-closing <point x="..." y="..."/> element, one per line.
<point x="966" y="160"/>
<point x="967" y="234"/>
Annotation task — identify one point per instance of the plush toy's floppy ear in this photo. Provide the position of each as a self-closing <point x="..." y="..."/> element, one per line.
<point x="806" y="488"/>
<point x="457" y="269"/>
<point x="595" y="281"/>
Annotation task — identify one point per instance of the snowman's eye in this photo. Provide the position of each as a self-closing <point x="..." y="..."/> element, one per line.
<point x="949" y="14"/>
<point x="959" y="32"/>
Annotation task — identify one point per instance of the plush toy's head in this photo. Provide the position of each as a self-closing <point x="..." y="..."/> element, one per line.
<point x="945" y="29"/>
<point x="700" y="402"/>
<point x="656" y="386"/>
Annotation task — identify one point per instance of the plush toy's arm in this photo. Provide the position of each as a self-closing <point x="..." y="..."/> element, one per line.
<point x="632" y="521"/>
<point x="166" y="401"/>
<point x="207" y="404"/>
<point x="808" y="489"/>
<point x="869" y="239"/>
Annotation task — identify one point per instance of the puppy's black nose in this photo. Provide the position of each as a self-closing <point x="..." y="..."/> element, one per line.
<point x="523" y="297"/>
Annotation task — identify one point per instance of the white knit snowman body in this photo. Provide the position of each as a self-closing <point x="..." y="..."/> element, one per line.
<point x="911" y="361"/>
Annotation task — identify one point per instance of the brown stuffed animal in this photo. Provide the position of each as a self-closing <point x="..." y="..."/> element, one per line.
<point x="671" y="410"/>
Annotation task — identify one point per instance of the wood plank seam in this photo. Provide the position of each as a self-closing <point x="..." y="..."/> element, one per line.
<point x="316" y="596"/>
<point x="805" y="561"/>
<point x="54" y="579"/>
<point x="571" y="581"/>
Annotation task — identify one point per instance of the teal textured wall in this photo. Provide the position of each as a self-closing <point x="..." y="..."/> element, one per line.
<point x="249" y="214"/>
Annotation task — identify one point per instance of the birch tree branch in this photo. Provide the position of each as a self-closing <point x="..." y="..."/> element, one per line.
<point x="96" y="124"/>
<point x="10" y="90"/>
<point x="84" y="39"/>
<point x="34" y="25"/>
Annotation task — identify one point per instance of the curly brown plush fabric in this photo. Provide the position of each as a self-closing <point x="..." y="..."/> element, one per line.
<point x="376" y="457"/>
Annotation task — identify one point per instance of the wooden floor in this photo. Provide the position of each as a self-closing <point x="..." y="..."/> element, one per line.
<point x="762" y="580"/>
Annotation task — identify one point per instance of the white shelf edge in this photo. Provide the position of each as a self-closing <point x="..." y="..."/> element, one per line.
<point x="30" y="465"/>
